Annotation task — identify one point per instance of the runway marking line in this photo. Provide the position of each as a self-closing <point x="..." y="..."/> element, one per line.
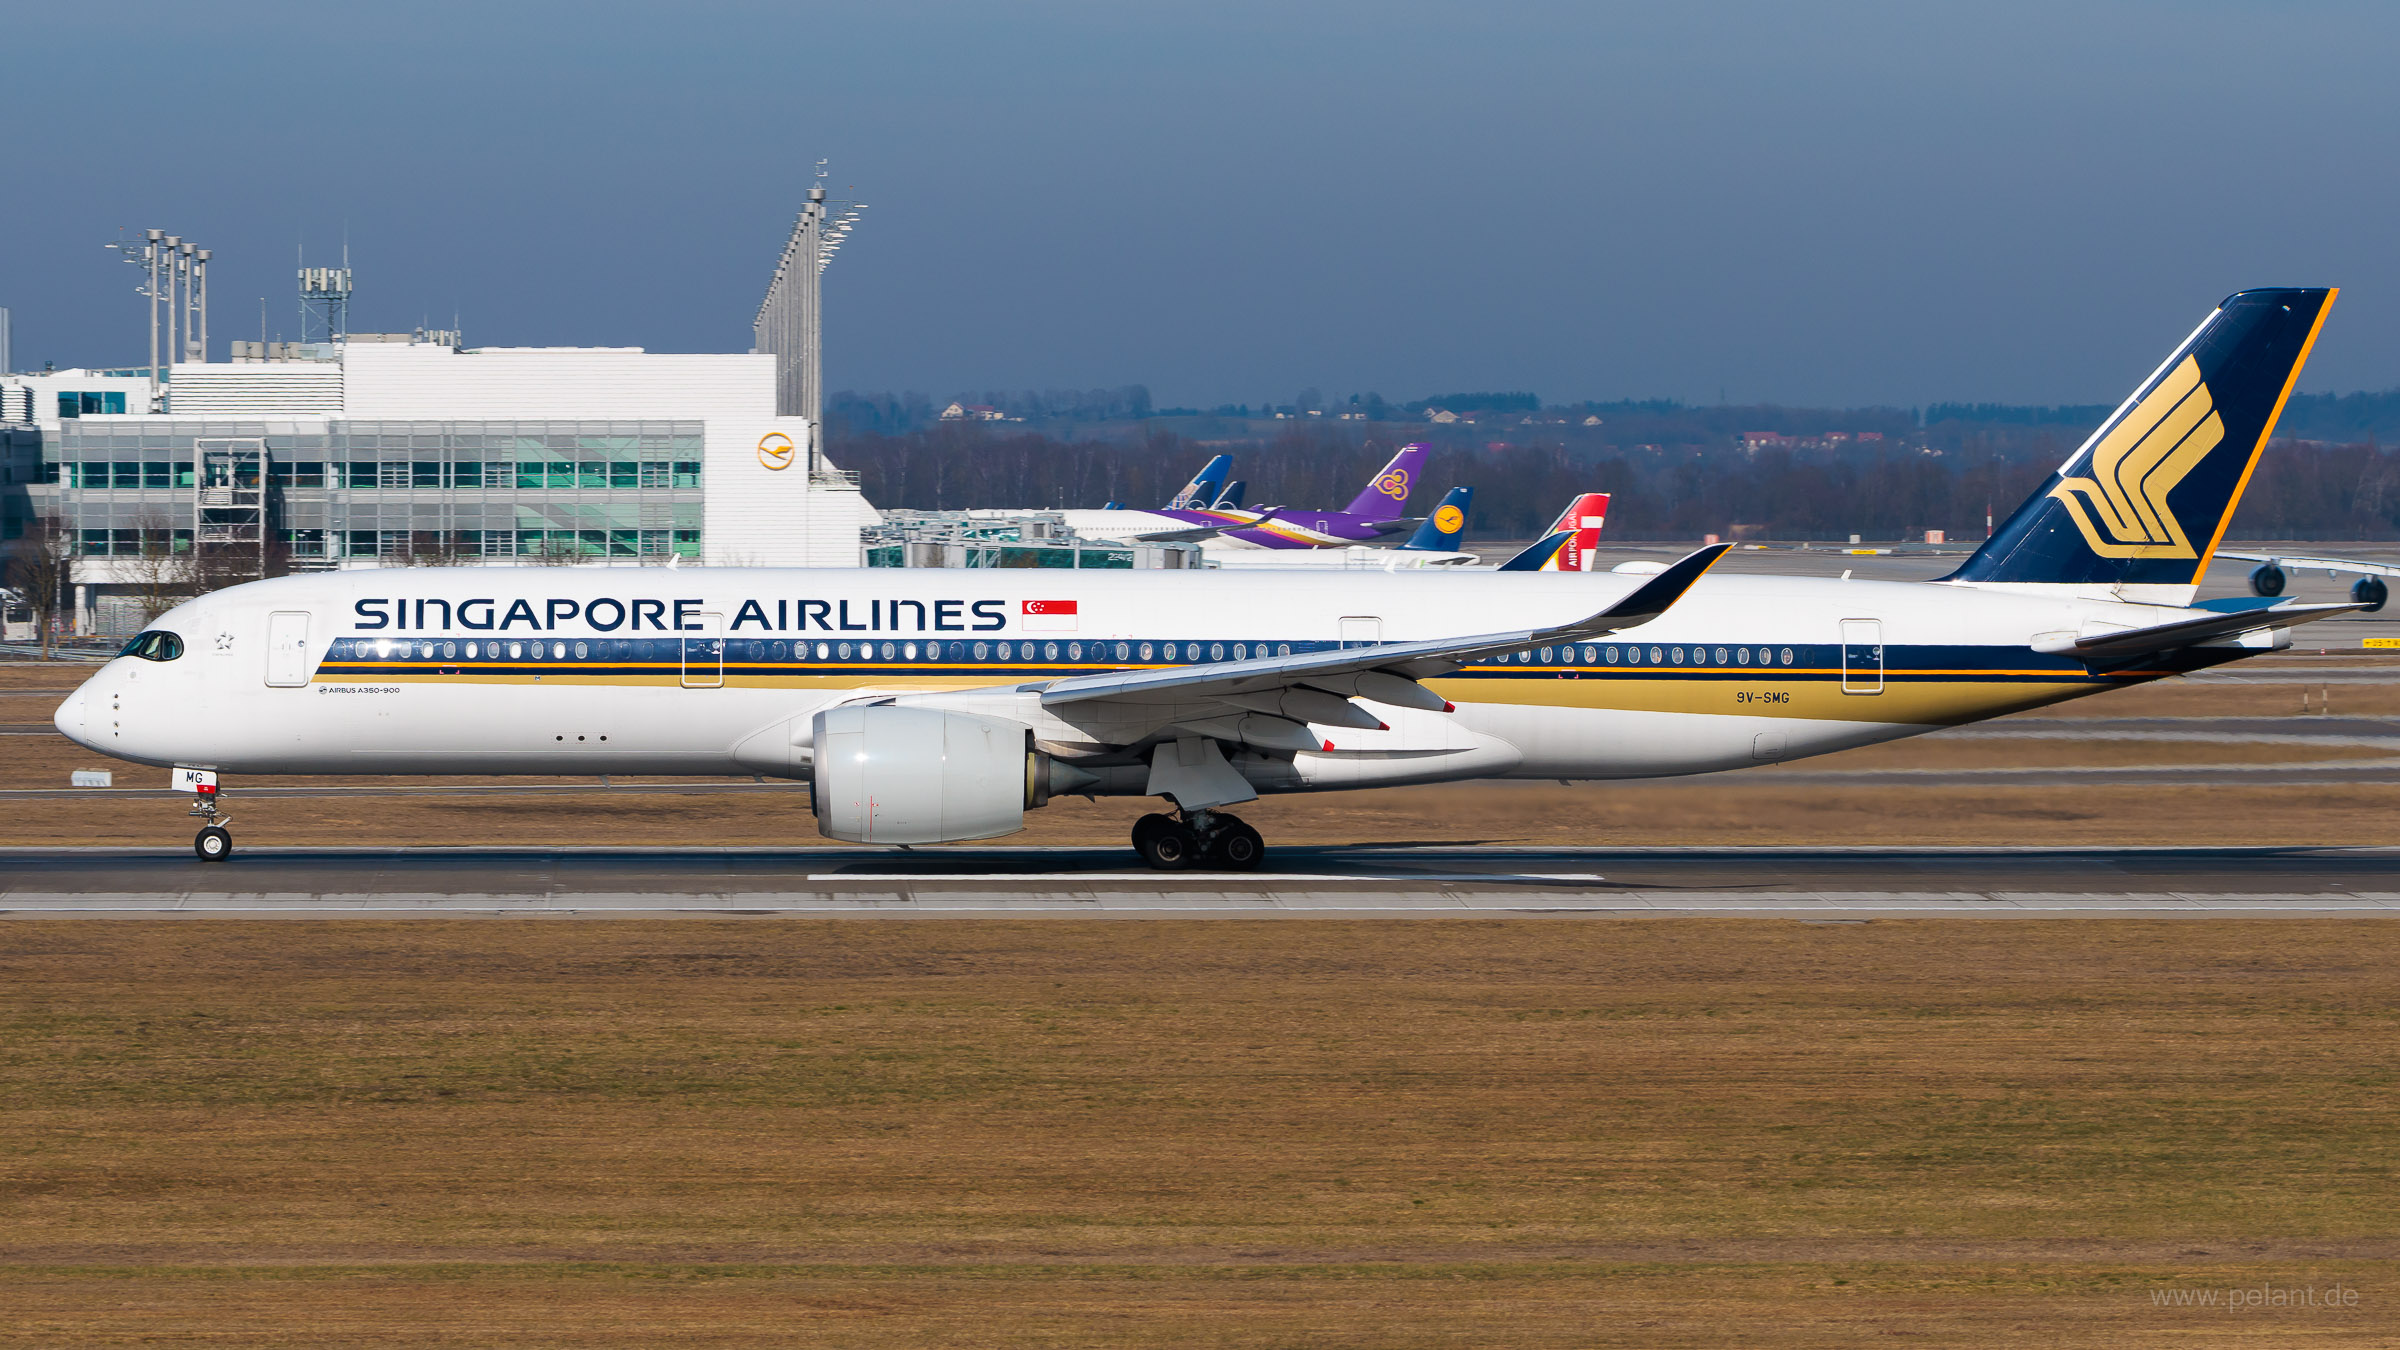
<point x="1243" y="877"/>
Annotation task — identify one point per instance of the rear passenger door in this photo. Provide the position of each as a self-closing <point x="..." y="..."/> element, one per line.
<point x="1862" y="656"/>
<point x="704" y="653"/>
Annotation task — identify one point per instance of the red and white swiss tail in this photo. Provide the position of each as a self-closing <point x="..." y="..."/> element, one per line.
<point x="1581" y="523"/>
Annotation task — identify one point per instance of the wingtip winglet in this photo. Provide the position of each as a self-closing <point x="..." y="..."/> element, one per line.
<point x="1653" y="597"/>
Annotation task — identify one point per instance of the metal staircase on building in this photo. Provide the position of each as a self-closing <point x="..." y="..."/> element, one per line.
<point x="229" y="498"/>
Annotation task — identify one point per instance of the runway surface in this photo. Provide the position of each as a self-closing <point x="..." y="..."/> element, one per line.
<point x="1424" y="881"/>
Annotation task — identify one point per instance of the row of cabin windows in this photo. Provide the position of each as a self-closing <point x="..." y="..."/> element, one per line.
<point x="1653" y="656"/>
<point x="781" y="650"/>
<point x="545" y="475"/>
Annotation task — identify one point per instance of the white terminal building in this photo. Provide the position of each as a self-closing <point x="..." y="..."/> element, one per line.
<point x="377" y="450"/>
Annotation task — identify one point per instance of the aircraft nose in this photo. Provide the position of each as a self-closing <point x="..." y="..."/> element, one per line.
<point x="69" y="717"/>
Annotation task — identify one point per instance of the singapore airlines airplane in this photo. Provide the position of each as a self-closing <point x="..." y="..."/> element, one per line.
<point x="933" y="705"/>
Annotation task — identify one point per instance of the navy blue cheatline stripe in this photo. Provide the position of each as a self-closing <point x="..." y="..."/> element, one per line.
<point x="637" y="657"/>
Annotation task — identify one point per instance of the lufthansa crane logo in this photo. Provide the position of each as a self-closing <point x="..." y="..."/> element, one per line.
<point x="2122" y="507"/>
<point x="1394" y="485"/>
<point x="775" y="450"/>
<point x="1449" y="519"/>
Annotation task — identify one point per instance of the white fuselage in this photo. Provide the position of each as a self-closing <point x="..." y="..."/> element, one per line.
<point x="702" y="672"/>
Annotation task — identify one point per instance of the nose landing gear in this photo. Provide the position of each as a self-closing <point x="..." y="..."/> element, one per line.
<point x="214" y="843"/>
<point x="1199" y="839"/>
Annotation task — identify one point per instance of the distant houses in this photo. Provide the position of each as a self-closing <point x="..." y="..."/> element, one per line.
<point x="973" y="412"/>
<point x="1776" y="440"/>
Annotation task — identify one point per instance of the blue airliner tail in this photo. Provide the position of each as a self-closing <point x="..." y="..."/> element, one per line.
<point x="1443" y="529"/>
<point x="2145" y="501"/>
<point x="1202" y="491"/>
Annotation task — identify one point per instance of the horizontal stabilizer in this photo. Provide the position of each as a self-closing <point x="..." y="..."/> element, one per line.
<point x="2301" y="564"/>
<point x="2132" y="643"/>
<point x="1201" y="533"/>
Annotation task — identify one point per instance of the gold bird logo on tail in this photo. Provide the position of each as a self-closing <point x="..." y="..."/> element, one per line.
<point x="2122" y="507"/>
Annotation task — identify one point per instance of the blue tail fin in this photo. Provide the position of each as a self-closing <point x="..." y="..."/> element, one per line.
<point x="1539" y="552"/>
<point x="2146" y="499"/>
<point x="1204" y="487"/>
<point x="1442" y="530"/>
<point x="1231" y="498"/>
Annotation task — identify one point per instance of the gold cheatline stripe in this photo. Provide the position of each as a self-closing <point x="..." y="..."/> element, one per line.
<point x="1528" y="672"/>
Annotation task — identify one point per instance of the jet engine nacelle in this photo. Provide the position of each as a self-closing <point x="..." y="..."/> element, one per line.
<point x="891" y="774"/>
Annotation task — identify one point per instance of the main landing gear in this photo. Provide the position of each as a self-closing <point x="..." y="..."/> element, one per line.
<point x="214" y="843"/>
<point x="1198" y="839"/>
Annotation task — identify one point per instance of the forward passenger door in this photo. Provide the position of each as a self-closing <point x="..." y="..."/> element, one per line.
<point x="287" y="649"/>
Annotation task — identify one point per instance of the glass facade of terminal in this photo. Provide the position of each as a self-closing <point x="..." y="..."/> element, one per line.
<point x="448" y="491"/>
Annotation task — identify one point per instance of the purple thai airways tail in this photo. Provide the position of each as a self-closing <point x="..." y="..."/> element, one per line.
<point x="1386" y="494"/>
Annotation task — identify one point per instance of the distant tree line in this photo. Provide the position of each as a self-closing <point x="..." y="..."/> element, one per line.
<point x="2340" y="418"/>
<point x="1943" y="479"/>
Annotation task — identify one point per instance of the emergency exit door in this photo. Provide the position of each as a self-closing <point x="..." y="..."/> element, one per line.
<point x="1862" y="656"/>
<point x="287" y="649"/>
<point x="704" y="653"/>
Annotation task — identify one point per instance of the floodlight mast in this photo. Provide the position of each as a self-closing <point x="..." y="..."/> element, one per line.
<point x="790" y="321"/>
<point x="174" y="279"/>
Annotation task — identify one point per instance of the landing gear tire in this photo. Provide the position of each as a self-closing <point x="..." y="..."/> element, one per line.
<point x="1239" y="848"/>
<point x="1143" y="828"/>
<point x="213" y="844"/>
<point x="1170" y="846"/>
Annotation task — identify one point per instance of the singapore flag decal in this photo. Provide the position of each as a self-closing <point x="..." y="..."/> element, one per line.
<point x="1049" y="616"/>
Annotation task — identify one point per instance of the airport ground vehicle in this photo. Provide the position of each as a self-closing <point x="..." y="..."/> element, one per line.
<point x="933" y="705"/>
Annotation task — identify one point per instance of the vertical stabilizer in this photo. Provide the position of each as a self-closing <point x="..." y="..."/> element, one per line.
<point x="1581" y="523"/>
<point x="2141" y="506"/>
<point x="1443" y="530"/>
<point x="1386" y="495"/>
<point x="1204" y="487"/>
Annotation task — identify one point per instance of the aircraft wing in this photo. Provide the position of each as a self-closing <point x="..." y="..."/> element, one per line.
<point x="2131" y="643"/>
<point x="1198" y="533"/>
<point x="1406" y="661"/>
<point x="2329" y="564"/>
<point x="1387" y="527"/>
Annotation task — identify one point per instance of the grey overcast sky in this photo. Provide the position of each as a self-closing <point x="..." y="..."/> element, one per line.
<point x="1843" y="202"/>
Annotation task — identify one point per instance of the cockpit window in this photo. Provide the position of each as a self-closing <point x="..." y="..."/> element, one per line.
<point x="155" y="645"/>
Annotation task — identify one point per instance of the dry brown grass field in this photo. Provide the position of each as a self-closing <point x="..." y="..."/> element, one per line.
<point x="1574" y="1132"/>
<point x="1435" y="1133"/>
